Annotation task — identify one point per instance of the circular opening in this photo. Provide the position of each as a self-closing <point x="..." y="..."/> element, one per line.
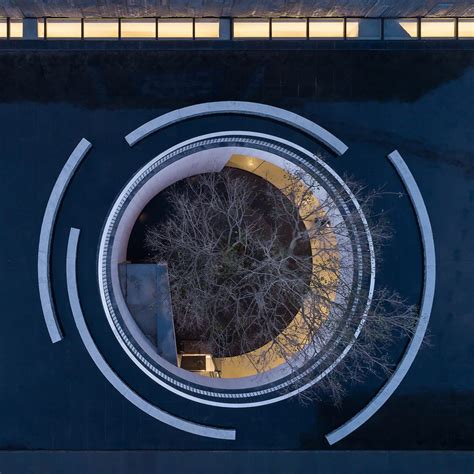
<point x="220" y="262"/>
<point x="210" y="154"/>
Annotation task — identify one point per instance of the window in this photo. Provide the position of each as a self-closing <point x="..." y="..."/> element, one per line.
<point x="466" y="28"/>
<point x="363" y="28"/>
<point x="100" y="28"/>
<point x="175" y="28"/>
<point x="242" y="28"/>
<point x="16" y="28"/>
<point x="289" y="28"/>
<point x="62" y="28"/>
<point x="326" y="28"/>
<point x="3" y="28"/>
<point x="438" y="27"/>
<point x="206" y="28"/>
<point x="251" y="28"/>
<point x="40" y="28"/>
<point x="401" y="28"/>
<point x="138" y="28"/>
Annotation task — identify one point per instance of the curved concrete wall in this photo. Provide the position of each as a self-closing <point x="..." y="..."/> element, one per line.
<point x="108" y="373"/>
<point x="429" y="284"/>
<point x="197" y="163"/>
<point x="121" y="235"/>
<point x="242" y="108"/>
<point x="46" y="236"/>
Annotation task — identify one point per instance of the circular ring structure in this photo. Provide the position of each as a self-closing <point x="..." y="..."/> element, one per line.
<point x="242" y="393"/>
<point x="205" y="154"/>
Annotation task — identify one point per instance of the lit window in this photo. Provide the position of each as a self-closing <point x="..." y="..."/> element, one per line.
<point x="40" y="28"/>
<point x="175" y="28"/>
<point x="326" y="28"/>
<point x="438" y="27"/>
<point x="100" y="28"/>
<point x="63" y="28"/>
<point x="363" y="28"/>
<point x="3" y="28"/>
<point x="403" y="28"/>
<point x="204" y="28"/>
<point x="16" y="28"/>
<point x="251" y="28"/>
<point x="138" y="28"/>
<point x="466" y="27"/>
<point x="288" y="28"/>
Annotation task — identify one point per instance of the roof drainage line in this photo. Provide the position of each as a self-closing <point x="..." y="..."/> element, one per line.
<point x="239" y="107"/>
<point x="429" y="283"/>
<point x="46" y="235"/>
<point x="108" y="373"/>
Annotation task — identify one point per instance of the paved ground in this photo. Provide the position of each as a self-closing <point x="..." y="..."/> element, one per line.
<point x="422" y="103"/>
<point x="236" y="462"/>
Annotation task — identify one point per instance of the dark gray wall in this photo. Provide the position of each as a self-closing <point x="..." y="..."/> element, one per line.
<point x="235" y="8"/>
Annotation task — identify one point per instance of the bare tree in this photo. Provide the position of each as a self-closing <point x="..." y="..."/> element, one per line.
<point x="268" y="272"/>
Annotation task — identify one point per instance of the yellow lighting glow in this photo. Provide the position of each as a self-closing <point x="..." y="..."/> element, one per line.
<point x="437" y="28"/>
<point x="175" y="28"/>
<point x="100" y="28"/>
<point x="466" y="28"/>
<point x="206" y="28"/>
<point x="410" y="26"/>
<point x="288" y="28"/>
<point x="62" y="28"/>
<point x="16" y="28"/>
<point x="3" y="27"/>
<point x="246" y="364"/>
<point x="138" y="28"/>
<point x="41" y="28"/>
<point x="326" y="28"/>
<point x="401" y="28"/>
<point x="251" y="28"/>
<point x="363" y="28"/>
<point x="352" y="28"/>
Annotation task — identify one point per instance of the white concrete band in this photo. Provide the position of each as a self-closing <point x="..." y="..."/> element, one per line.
<point x="121" y="237"/>
<point x="243" y="108"/>
<point x="108" y="373"/>
<point x="210" y="160"/>
<point x="429" y="283"/>
<point x="46" y="235"/>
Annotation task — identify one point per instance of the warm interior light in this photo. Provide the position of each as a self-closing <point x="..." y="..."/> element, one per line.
<point x="62" y="28"/>
<point x="437" y="28"/>
<point x="100" y="29"/>
<point x="363" y="28"/>
<point x="251" y="28"/>
<point x="241" y="365"/>
<point x="410" y="26"/>
<point x="402" y="28"/>
<point x="16" y="28"/>
<point x="326" y="28"/>
<point x="466" y="28"/>
<point x="206" y="28"/>
<point x="40" y="28"/>
<point x="3" y="27"/>
<point x="288" y="28"/>
<point x="138" y="28"/>
<point x="175" y="28"/>
<point x="352" y="28"/>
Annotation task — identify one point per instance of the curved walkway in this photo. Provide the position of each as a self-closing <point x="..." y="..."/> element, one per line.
<point x="429" y="283"/>
<point x="46" y="235"/>
<point x="108" y="373"/>
<point x="239" y="107"/>
<point x="168" y="377"/>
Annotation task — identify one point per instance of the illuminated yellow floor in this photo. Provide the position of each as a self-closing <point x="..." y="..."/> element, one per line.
<point x="245" y="365"/>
